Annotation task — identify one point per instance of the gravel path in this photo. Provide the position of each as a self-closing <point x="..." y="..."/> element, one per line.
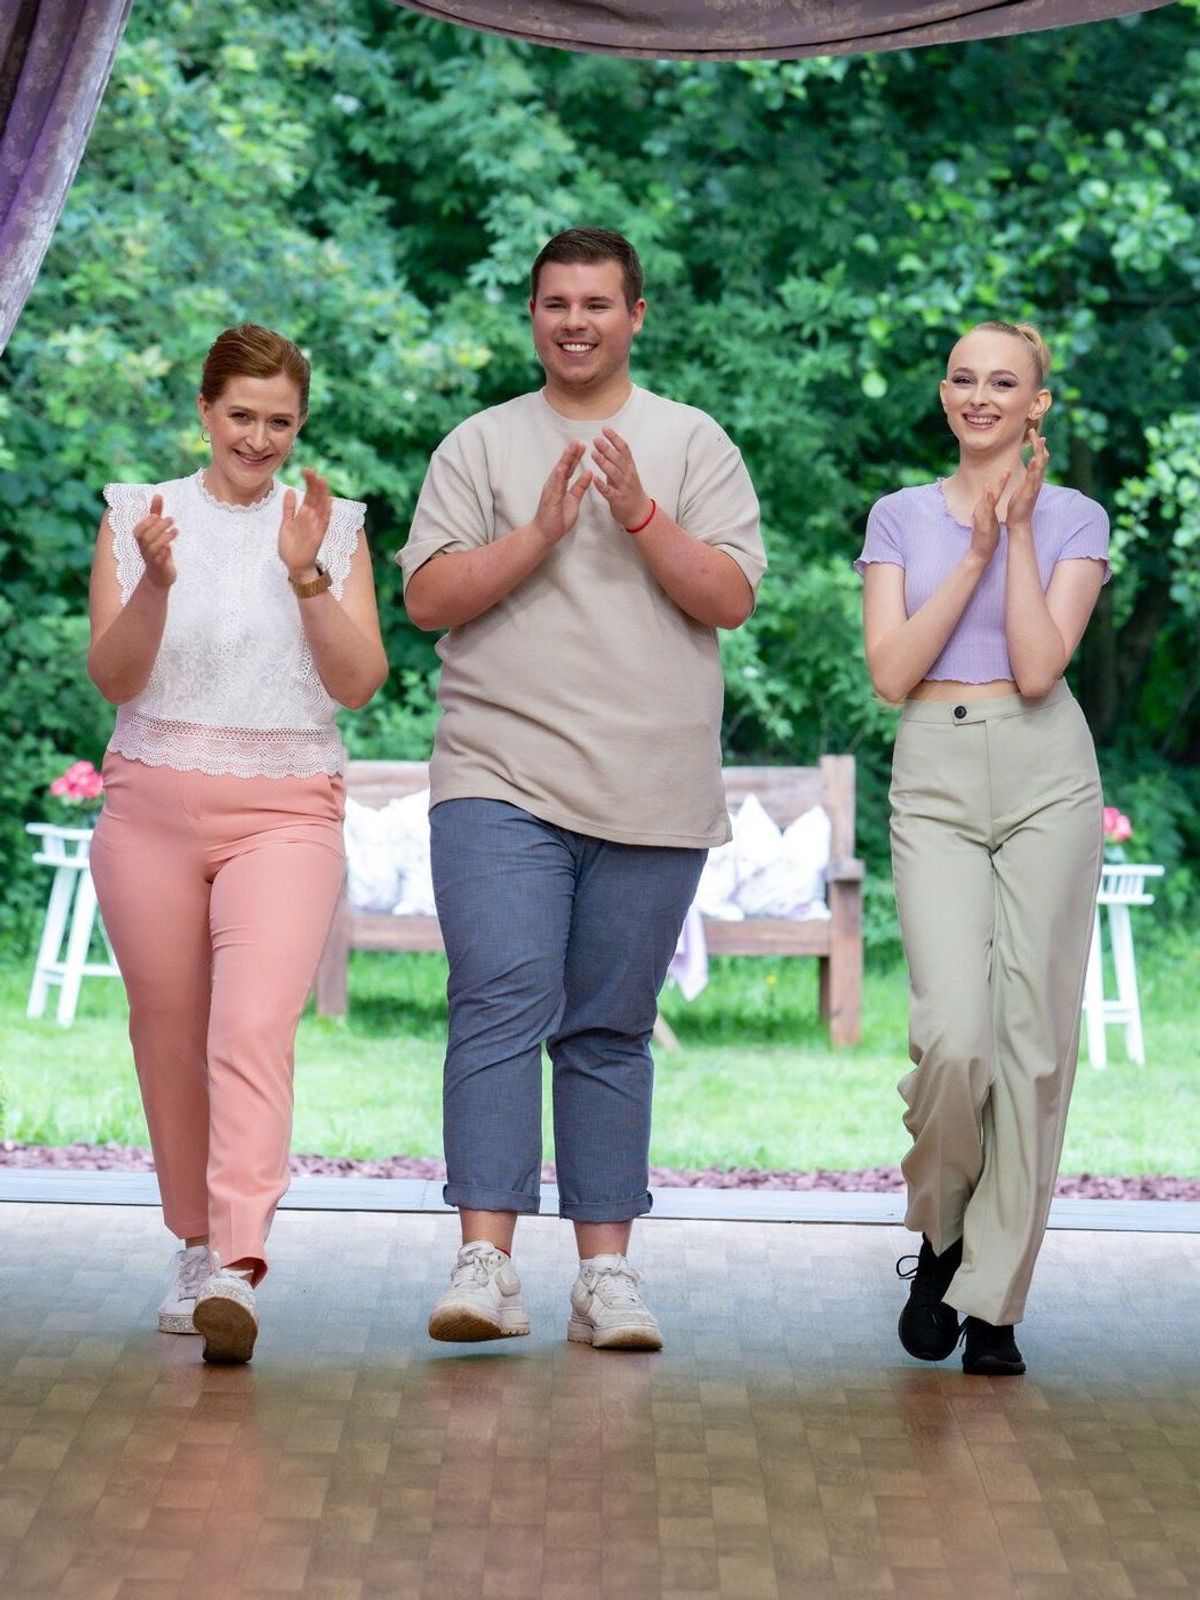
<point x="872" y="1180"/>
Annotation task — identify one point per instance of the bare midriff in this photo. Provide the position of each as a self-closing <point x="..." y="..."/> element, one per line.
<point x="948" y="689"/>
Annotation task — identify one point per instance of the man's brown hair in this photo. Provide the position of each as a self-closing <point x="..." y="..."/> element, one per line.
<point x="592" y="245"/>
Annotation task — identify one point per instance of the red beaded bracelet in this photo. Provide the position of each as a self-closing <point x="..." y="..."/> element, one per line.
<point x="648" y="521"/>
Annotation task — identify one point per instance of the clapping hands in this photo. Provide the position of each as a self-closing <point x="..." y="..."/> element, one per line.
<point x="618" y="480"/>
<point x="558" y="508"/>
<point x="985" y="521"/>
<point x="302" y="528"/>
<point x="1024" y="496"/>
<point x="155" y="535"/>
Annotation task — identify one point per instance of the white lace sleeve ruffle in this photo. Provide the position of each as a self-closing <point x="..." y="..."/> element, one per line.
<point x="341" y="541"/>
<point x="127" y="504"/>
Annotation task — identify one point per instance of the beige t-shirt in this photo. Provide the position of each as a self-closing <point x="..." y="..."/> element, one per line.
<point x="586" y="696"/>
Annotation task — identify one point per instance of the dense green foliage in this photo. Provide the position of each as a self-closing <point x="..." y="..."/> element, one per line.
<point x="814" y="232"/>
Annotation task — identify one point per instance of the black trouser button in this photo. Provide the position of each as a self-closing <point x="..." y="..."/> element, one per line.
<point x="960" y="712"/>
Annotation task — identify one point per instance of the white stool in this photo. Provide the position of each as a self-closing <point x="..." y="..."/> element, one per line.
<point x="1121" y="885"/>
<point x="73" y="899"/>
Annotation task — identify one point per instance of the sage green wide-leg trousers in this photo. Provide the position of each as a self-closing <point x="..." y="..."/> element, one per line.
<point x="996" y="848"/>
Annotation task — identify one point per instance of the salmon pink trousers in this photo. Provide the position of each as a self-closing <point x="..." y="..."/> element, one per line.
<point x="217" y="893"/>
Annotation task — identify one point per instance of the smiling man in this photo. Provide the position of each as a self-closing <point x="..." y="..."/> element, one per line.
<point x="582" y="544"/>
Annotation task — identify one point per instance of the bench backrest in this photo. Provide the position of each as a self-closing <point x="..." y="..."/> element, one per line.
<point x="784" y="792"/>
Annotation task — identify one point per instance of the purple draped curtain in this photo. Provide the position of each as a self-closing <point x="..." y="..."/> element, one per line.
<point x="55" y="58"/>
<point x="717" y="30"/>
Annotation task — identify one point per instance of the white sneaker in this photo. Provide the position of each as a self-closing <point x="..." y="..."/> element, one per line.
<point x="607" y="1309"/>
<point x="189" y="1269"/>
<point x="483" y="1300"/>
<point x="227" y="1317"/>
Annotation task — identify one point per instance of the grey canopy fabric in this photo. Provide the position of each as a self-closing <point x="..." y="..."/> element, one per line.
<point x="55" y="58"/>
<point x="717" y="30"/>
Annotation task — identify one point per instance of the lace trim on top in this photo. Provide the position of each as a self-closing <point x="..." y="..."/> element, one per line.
<point x="340" y="542"/>
<point x="127" y="504"/>
<point x="268" y="495"/>
<point x="230" y="752"/>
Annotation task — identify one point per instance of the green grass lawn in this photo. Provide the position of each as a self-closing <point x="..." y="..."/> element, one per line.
<point x="754" y="1083"/>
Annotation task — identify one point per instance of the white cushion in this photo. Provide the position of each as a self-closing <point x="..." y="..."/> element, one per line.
<point x="792" y="883"/>
<point x="387" y="856"/>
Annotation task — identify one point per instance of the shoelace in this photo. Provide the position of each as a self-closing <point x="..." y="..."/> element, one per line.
<point x="616" y="1286"/>
<point x="194" y="1272"/>
<point x="928" y="1293"/>
<point x="472" y="1266"/>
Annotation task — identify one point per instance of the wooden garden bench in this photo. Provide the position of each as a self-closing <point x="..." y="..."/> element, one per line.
<point x="784" y="792"/>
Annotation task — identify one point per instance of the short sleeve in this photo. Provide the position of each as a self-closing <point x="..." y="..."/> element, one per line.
<point x="346" y="521"/>
<point x="451" y="513"/>
<point x="882" y="542"/>
<point x="127" y="504"/>
<point x="1087" y="539"/>
<point x="717" y="503"/>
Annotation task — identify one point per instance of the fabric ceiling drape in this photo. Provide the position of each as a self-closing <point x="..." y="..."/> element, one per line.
<point x="718" y="30"/>
<point x="55" y="58"/>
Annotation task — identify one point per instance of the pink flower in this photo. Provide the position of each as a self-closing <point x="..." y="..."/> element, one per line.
<point x="78" y="785"/>
<point x="1117" y="826"/>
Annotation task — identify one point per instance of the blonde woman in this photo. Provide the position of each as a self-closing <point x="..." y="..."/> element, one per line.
<point x="978" y="588"/>
<point x="230" y="617"/>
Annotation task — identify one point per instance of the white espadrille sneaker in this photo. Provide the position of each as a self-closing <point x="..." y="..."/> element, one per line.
<point x="607" y="1309"/>
<point x="189" y="1270"/>
<point x="227" y="1316"/>
<point x="483" y="1300"/>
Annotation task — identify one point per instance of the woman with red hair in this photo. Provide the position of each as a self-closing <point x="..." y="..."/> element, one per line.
<point x="231" y="616"/>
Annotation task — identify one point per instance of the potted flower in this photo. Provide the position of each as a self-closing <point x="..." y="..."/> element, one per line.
<point x="79" y="792"/>
<point x="1118" y="830"/>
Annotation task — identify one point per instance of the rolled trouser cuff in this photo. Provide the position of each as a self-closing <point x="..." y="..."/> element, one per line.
<point x="606" y="1210"/>
<point x="470" y="1197"/>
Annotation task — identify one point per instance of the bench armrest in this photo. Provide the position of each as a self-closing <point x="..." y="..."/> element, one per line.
<point x="848" y="871"/>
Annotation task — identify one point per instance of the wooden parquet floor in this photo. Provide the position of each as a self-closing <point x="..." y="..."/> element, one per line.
<point x="781" y="1446"/>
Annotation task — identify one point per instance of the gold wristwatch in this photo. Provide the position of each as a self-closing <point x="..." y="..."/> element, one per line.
<point x="311" y="586"/>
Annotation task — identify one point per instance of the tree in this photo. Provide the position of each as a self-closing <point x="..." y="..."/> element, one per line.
<point x="815" y="235"/>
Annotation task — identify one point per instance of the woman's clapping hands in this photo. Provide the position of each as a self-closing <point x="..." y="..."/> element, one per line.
<point x="303" y="526"/>
<point x="1024" y="496"/>
<point x="155" y="535"/>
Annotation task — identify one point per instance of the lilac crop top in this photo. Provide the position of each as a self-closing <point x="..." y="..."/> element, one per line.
<point x="914" y="529"/>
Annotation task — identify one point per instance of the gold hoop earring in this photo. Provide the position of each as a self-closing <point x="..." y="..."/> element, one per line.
<point x="206" y="438"/>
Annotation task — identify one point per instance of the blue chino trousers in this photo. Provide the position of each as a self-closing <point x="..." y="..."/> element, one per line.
<point x="561" y="939"/>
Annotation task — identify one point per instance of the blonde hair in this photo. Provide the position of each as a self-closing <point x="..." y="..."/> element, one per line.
<point x="1032" y="336"/>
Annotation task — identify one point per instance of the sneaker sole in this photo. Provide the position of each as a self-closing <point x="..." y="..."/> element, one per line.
<point x="461" y="1325"/>
<point x="175" y="1322"/>
<point x="228" y="1328"/>
<point x="636" y="1336"/>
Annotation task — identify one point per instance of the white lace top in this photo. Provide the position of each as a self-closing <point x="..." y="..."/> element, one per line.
<point x="234" y="688"/>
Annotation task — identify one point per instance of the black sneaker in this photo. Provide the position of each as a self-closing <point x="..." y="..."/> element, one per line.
<point x="990" y="1351"/>
<point x="929" y="1327"/>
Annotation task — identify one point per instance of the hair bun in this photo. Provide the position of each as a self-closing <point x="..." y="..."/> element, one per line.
<point x="1041" y="349"/>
